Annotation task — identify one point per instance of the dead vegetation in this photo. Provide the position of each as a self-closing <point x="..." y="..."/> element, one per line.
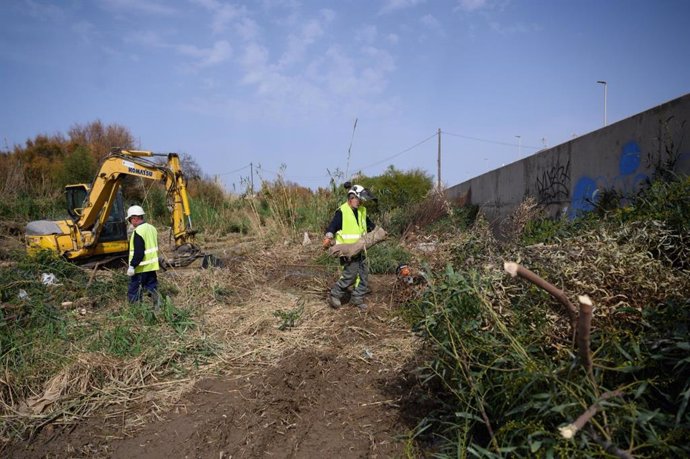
<point x="492" y="360"/>
<point x="265" y="306"/>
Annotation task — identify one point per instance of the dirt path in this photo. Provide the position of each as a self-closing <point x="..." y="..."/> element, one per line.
<point x="350" y="396"/>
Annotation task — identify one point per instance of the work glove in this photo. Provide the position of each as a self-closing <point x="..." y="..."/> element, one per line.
<point x="327" y="241"/>
<point x="130" y="271"/>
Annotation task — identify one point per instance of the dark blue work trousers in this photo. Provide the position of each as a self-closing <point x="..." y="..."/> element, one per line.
<point x="142" y="281"/>
<point x="353" y="270"/>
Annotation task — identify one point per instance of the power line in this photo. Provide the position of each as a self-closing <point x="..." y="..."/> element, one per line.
<point x="261" y="169"/>
<point x="400" y="153"/>
<point x="236" y="170"/>
<point x="388" y="158"/>
<point x="497" y="142"/>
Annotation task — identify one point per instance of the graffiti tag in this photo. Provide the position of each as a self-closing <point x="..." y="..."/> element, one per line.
<point x="554" y="184"/>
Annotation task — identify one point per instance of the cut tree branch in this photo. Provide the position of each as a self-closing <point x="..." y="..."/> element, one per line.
<point x="515" y="269"/>
<point x="584" y="325"/>
<point x="571" y="429"/>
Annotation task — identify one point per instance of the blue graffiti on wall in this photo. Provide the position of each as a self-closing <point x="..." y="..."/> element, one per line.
<point x="630" y="158"/>
<point x="628" y="181"/>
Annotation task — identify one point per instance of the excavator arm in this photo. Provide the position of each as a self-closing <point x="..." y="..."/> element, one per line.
<point x="101" y="196"/>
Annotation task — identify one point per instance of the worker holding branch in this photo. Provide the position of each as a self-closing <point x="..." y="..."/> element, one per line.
<point x="143" y="258"/>
<point x="349" y="224"/>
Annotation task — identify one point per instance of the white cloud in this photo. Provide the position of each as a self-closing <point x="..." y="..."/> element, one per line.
<point x="208" y="4"/>
<point x="146" y="38"/>
<point x="379" y="65"/>
<point x="43" y="11"/>
<point x="472" y="5"/>
<point x="223" y="13"/>
<point x="392" y="38"/>
<point x="394" y="5"/>
<point x="84" y="30"/>
<point x="272" y="4"/>
<point x="301" y="73"/>
<point x="367" y="34"/>
<point x="431" y="23"/>
<point x="254" y="61"/>
<point x="513" y="28"/>
<point x="153" y="7"/>
<point x="205" y="57"/>
<point x="327" y="15"/>
<point x="324" y="86"/>
<point x="337" y="71"/>
<point x="297" y="44"/>
<point x="247" y="29"/>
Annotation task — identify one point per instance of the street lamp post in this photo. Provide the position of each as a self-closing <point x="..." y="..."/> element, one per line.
<point x="606" y="86"/>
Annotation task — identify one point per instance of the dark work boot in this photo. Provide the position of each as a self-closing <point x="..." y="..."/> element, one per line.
<point x="359" y="302"/>
<point x="334" y="302"/>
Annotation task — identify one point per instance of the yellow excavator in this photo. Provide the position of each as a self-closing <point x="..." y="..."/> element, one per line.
<point x="97" y="229"/>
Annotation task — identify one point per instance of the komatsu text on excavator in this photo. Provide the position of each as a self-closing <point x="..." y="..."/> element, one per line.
<point x="97" y="227"/>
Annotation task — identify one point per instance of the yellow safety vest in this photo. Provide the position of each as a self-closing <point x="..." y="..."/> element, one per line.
<point x="150" y="236"/>
<point x="353" y="228"/>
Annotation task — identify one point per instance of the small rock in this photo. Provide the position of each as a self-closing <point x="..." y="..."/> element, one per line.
<point x="306" y="240"/>
<point x="427" y="247"/>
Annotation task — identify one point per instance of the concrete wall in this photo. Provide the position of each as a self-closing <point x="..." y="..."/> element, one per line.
<point x="566" y="178"/>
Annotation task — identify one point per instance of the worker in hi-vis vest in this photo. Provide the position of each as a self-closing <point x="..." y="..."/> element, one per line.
<point x="350" y="223"/>
<point x="143" y="257"/>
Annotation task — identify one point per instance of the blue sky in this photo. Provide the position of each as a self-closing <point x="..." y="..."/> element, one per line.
<point x="280" y="83"/>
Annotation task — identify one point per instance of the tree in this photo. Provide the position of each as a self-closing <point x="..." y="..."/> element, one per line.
<point x="100" y="139"/>
<point x="190" y="167"/>
<point x="41" y="162"/>
<point x="78" y="167"/>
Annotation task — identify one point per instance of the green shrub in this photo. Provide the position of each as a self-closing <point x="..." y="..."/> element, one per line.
<point x="385" y="257"/>
<point x="27" y="208"/>
<point x="396" y="189"/>
<point x="79" y="166"/>
<point x="503" y="389"/>
<point x="156" y="206"/>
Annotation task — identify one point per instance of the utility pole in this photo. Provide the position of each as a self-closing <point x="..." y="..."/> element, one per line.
<point x="438" y="182"/>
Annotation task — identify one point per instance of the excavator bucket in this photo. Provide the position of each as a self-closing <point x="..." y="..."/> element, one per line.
<point x="188" y="254"/>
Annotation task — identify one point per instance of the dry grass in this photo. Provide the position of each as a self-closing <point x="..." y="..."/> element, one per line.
<point x="433" y="208"/>
<point x="608" y="266"/>
<point x="237" y="312"/>
<point x="91" y="383"/>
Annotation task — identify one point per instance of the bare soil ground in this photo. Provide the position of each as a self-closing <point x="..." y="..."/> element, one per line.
<point x="338" y="383"/>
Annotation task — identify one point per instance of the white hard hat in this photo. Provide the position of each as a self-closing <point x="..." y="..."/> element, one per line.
<point x="135" y="210"/>
<point x="360" y="192"/>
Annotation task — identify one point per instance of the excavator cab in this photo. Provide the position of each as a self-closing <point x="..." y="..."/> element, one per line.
<point x="115" y="228"/>
<point x="75" y="195"/>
